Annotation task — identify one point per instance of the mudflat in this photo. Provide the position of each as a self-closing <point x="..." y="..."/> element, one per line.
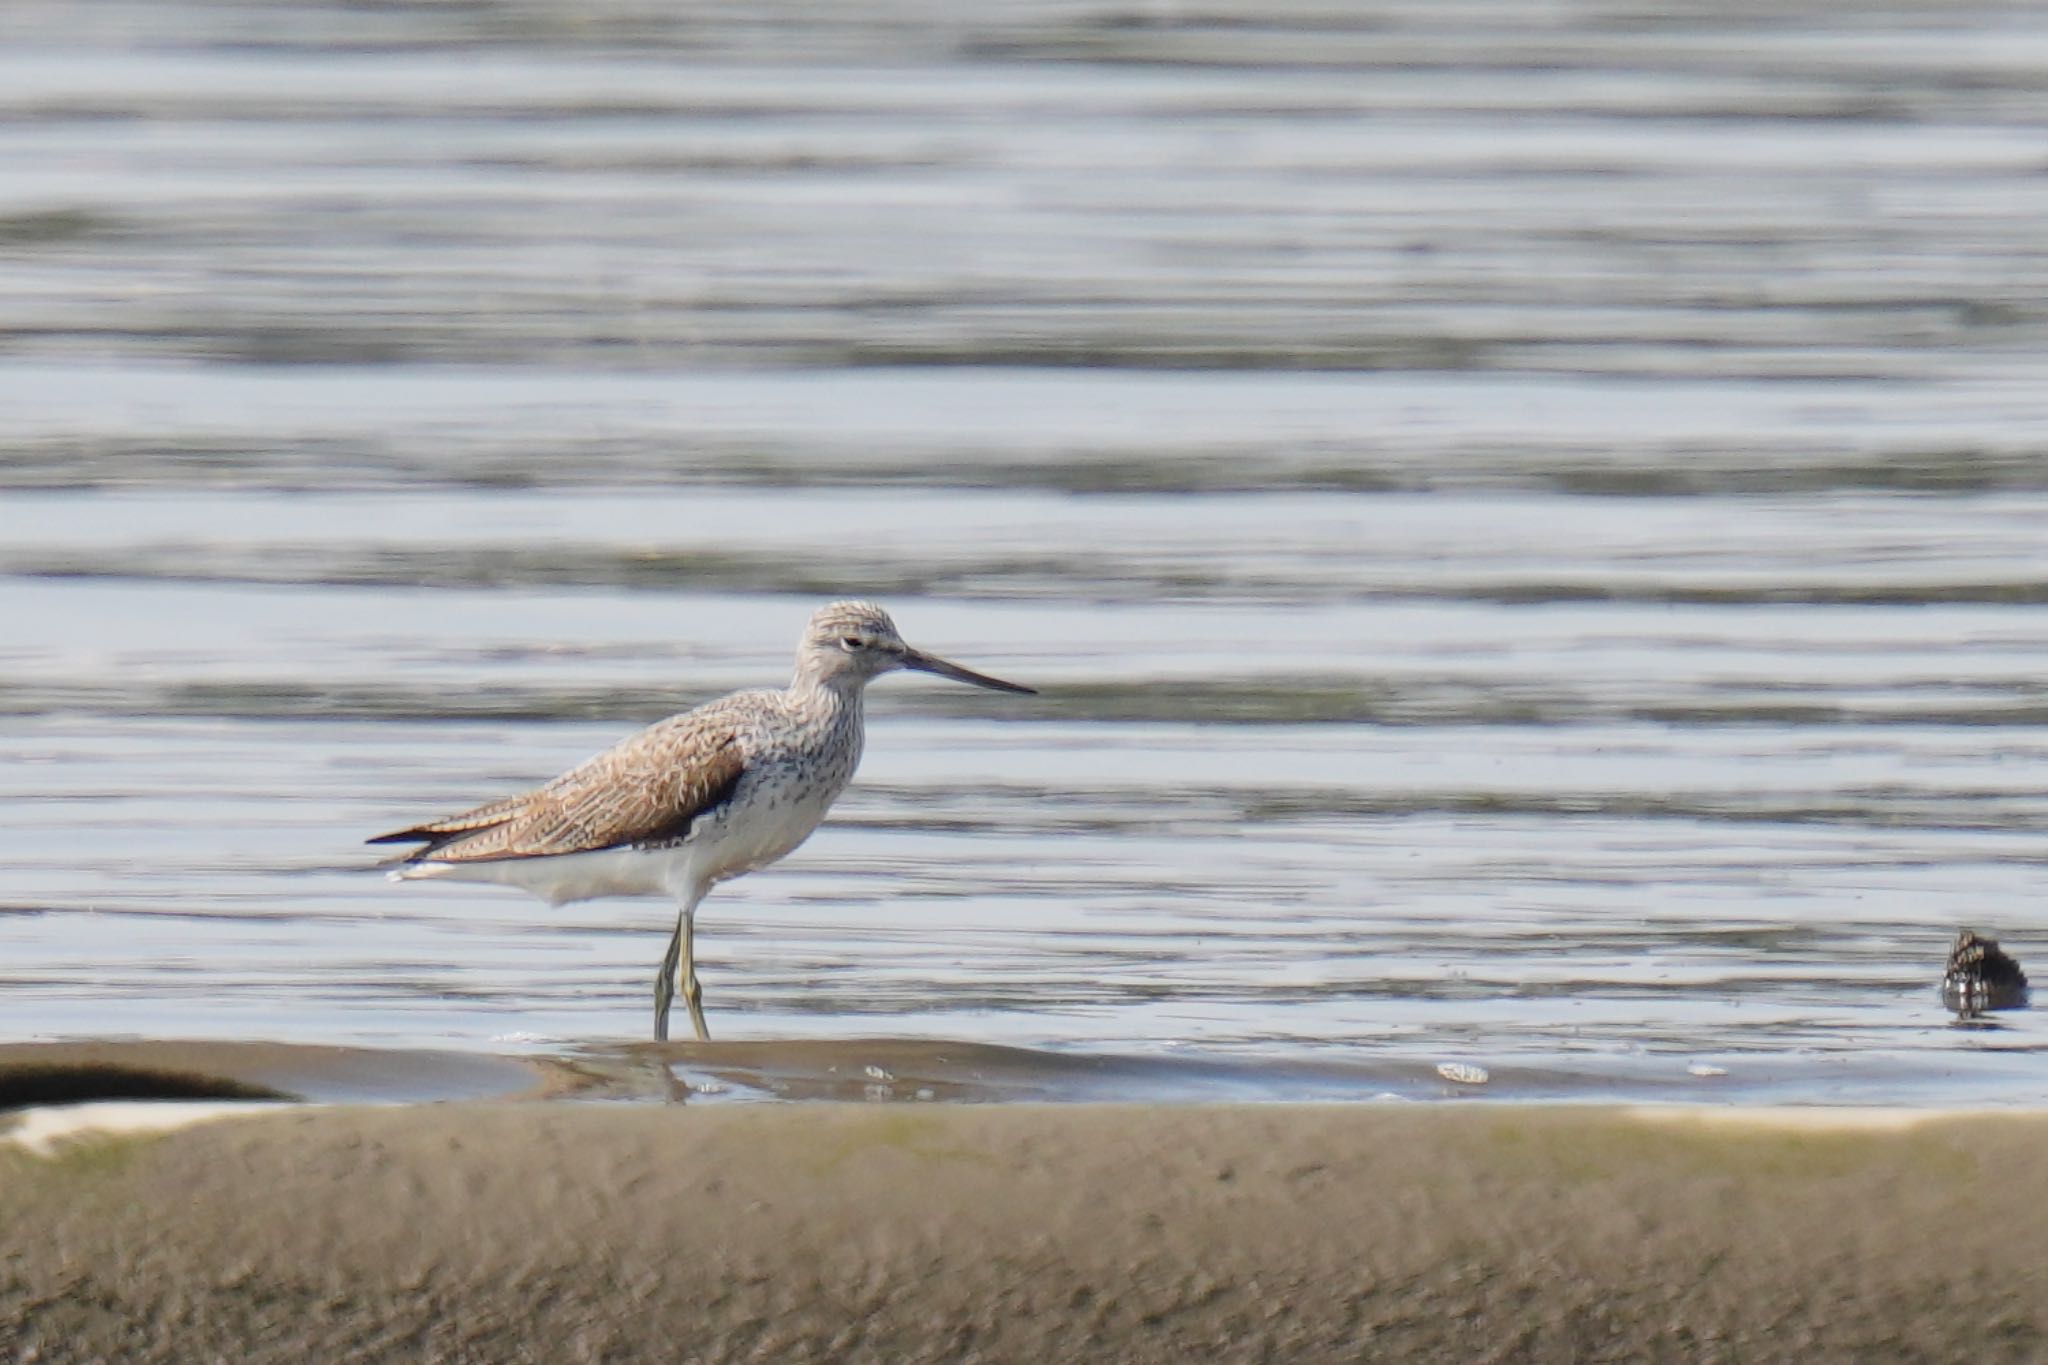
<point x="503" y="1231"/>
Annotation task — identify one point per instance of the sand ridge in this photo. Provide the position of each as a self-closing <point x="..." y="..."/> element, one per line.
<point x="498" y="1232"/>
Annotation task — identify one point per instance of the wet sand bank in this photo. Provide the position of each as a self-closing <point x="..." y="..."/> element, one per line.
<point x="926" y="1070"/>
<point x="503" y="1231"/>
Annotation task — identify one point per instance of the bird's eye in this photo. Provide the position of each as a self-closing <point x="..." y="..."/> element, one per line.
<point x="854" y="642"/>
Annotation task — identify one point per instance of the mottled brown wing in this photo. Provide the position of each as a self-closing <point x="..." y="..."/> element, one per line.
<point x="646" y="789"/>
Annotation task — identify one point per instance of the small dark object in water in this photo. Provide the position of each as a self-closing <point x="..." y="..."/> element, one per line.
<point x="1980" y="978"/>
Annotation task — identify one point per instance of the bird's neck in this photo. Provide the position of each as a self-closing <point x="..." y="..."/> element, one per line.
<point x="826" y="700"/>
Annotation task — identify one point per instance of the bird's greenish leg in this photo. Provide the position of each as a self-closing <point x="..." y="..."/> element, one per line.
<point x="693" y="993"/>
<point x="664" y="980"/>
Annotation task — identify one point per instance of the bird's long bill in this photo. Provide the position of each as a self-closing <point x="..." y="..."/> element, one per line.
<point x="927" y="663"/>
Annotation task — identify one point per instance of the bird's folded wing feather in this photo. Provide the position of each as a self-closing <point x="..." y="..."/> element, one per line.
<point x="646" y="789"/>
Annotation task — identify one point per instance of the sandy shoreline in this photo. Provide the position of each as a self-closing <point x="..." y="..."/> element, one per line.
<point x="527" y="1231"/>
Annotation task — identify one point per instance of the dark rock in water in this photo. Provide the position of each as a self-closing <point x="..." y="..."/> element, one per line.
<point x="1980" y="977"/>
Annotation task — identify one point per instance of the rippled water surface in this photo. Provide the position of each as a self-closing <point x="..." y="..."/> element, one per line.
<point x="1530" y="523"/>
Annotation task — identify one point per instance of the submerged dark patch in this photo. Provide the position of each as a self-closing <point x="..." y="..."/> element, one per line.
<point x="42" y="1083"/>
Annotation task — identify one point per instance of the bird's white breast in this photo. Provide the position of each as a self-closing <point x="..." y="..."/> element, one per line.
<point x="775" y="810"/>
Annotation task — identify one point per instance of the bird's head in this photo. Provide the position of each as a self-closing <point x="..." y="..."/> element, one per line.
<point x="852" y="643"/>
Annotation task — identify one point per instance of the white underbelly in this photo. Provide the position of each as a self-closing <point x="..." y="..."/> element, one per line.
<point x="566" y="877"/>
<point x="757" y="835"/>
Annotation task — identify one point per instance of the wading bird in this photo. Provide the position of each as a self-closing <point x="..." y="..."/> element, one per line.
<point x="690" y="801"/>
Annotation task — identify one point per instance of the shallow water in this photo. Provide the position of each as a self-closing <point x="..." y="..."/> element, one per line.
<point x="1530" y="535"/>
